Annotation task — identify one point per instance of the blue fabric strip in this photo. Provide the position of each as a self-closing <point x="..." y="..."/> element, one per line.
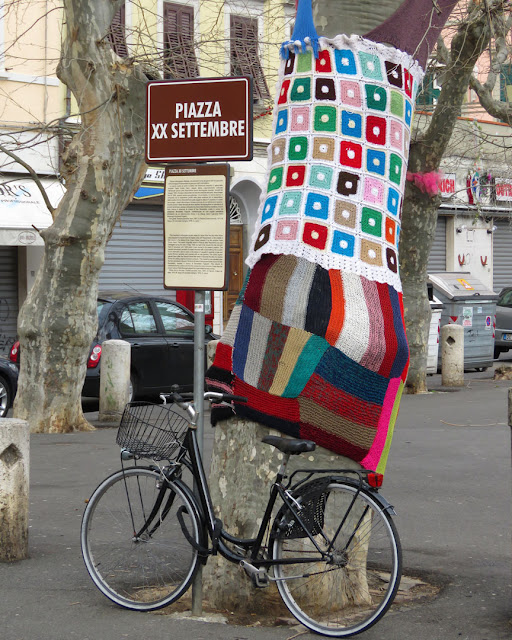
<point x="304" y="32"/>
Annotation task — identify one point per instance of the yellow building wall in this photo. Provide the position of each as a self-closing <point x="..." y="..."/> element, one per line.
<point x="29" y="90"/>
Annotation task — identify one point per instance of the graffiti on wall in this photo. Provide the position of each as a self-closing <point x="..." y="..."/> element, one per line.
<point x="7" y="333"/>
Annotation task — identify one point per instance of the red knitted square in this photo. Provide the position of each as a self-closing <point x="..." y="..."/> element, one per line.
<point x="295" y="175"/>
<point x="283" y="95"/>
<point x="408" y="83"/>
<point x="376" y="130"/>
<point x="323" y="62"/>
<point x="351" y="154"/>
<point x="315" y="235"/>
<point x="284" y="408"/>
<point x="224" y="356"/>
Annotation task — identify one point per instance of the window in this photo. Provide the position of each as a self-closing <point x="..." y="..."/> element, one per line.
<point x="179" y="49"/>
<point x="429" y="92"/>
<point x="137" y="318"/>
<point x="174" y="319"/>
<point x="116" y="34"/>
<point x="244" y="57"/>
<point x="506" y="83"/>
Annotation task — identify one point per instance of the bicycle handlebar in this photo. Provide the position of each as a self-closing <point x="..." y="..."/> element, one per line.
<point x="209" y="395"/>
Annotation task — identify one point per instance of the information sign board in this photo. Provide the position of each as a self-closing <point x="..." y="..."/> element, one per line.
<point x="196" y="227"/>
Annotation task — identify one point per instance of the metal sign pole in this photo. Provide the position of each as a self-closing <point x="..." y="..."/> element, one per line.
<point x="199" y="333"/>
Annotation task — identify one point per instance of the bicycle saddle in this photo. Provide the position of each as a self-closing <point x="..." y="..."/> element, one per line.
<point x="290" y="445"/>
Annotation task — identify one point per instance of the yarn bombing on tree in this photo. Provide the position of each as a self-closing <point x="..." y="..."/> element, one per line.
<point x="316" y="340"/>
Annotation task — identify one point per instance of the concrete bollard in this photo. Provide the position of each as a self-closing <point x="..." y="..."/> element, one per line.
<point x="452" y="355"/>
<point x="14" y="489"/>
<point x="114" y="379"/>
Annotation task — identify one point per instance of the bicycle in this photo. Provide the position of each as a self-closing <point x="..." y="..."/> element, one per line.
<point x="332" y="548"/>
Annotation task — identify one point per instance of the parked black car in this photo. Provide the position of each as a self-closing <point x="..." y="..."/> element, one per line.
<point x="503" y="340"/>
<point x="8" y="385"/>
<point x="161" y="334"/>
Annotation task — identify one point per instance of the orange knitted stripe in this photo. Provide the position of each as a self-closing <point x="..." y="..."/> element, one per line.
<point x="338" y="307"/>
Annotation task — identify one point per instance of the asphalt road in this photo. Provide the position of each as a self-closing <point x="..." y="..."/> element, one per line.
<point x="449" y="477"/>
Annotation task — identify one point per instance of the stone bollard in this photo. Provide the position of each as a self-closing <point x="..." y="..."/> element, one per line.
<point x="114" y="379"/>
<point x="14" y="489"/>
<point x="452" y="355"/>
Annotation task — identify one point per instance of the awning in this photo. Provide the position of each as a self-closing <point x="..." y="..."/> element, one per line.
<point x="22" y="208"/>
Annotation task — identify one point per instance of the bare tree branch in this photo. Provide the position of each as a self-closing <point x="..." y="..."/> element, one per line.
<point x="33" y="175"/>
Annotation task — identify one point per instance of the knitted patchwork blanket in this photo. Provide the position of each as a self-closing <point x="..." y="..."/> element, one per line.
<point x="316" y="341"/>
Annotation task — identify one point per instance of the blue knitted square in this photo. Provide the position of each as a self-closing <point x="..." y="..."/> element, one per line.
<point x="351" y="124"/>
<point x="376" y="161"/>
<point x="282" y="121"/>
<point x="269" y="208"/>
<point x="343" y="243"/>
<point x="345" y="61"/>
<point x="393" y="201"/>
<point x="317" y="206"/>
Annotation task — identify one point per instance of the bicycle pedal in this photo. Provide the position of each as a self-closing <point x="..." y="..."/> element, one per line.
<point x="259" y="577"/>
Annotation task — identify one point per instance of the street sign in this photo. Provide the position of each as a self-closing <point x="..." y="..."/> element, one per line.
<point x="199" y="120"/>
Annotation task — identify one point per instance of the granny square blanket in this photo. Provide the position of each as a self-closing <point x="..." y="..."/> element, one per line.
<point x="316" y="341"/>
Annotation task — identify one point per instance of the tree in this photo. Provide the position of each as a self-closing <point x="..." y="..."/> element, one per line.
<point x="475" y="29"/>
<point x="104" y="164"/>
<point x="102" y="167"/>
<point x="479" y="27"/>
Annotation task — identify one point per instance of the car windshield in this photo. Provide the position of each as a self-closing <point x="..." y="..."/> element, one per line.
<point x="505" y="299"/>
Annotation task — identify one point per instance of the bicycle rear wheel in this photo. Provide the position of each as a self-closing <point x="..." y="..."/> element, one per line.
<point x="151" y="570"/>
<point x="352" y="589"/>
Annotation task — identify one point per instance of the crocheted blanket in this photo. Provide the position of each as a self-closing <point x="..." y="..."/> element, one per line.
<point x="316" y="341"/>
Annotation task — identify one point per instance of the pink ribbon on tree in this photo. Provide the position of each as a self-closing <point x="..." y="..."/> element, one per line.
<point x="426" y="182"/>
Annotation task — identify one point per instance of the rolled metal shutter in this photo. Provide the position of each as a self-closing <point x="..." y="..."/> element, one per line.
<point x="502" y="254"/>
<point x="134" y="257"/>
<point x="8" y="297"/>
<point x="437" y="257"/>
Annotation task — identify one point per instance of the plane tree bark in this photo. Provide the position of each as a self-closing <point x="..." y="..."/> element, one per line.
<point x="103" y="166"/>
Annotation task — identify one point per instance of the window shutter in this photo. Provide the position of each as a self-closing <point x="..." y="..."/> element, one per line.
<point x="116" y="34"/>
<point x="244" y="55"/>
<point x="506" y="83"/>
<point x="428" y="94"/>
<point x="179" y="50"/>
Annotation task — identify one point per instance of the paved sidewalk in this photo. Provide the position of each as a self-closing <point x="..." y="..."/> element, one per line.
<point x="449" y="477"/>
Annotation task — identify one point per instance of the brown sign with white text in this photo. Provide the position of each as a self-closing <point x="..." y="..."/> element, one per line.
<point x="199" y="120"/>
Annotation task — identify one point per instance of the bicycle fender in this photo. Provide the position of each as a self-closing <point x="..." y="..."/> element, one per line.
<point x="379" y="498"/>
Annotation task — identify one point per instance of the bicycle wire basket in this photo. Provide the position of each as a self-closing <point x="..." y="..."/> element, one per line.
<point x="152" y="431"/>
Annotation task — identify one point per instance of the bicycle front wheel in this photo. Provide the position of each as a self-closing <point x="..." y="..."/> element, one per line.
<point x="352" y="586"/>
<point x="140" y="570"/>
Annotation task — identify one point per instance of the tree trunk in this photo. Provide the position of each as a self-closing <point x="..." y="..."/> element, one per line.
<point x="419" y="213"/>
<point x="242" y="471"/>
<point x="104" y="166"/>
<point x="417" y="235"/>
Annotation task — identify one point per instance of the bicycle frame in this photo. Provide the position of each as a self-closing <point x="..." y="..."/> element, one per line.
<point x="218" y="535"/>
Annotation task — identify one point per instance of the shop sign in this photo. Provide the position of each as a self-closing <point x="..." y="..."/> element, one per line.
<point x="447" y="185"/>
<point x="199" y="120"/>
<point x="503" y="190"/>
